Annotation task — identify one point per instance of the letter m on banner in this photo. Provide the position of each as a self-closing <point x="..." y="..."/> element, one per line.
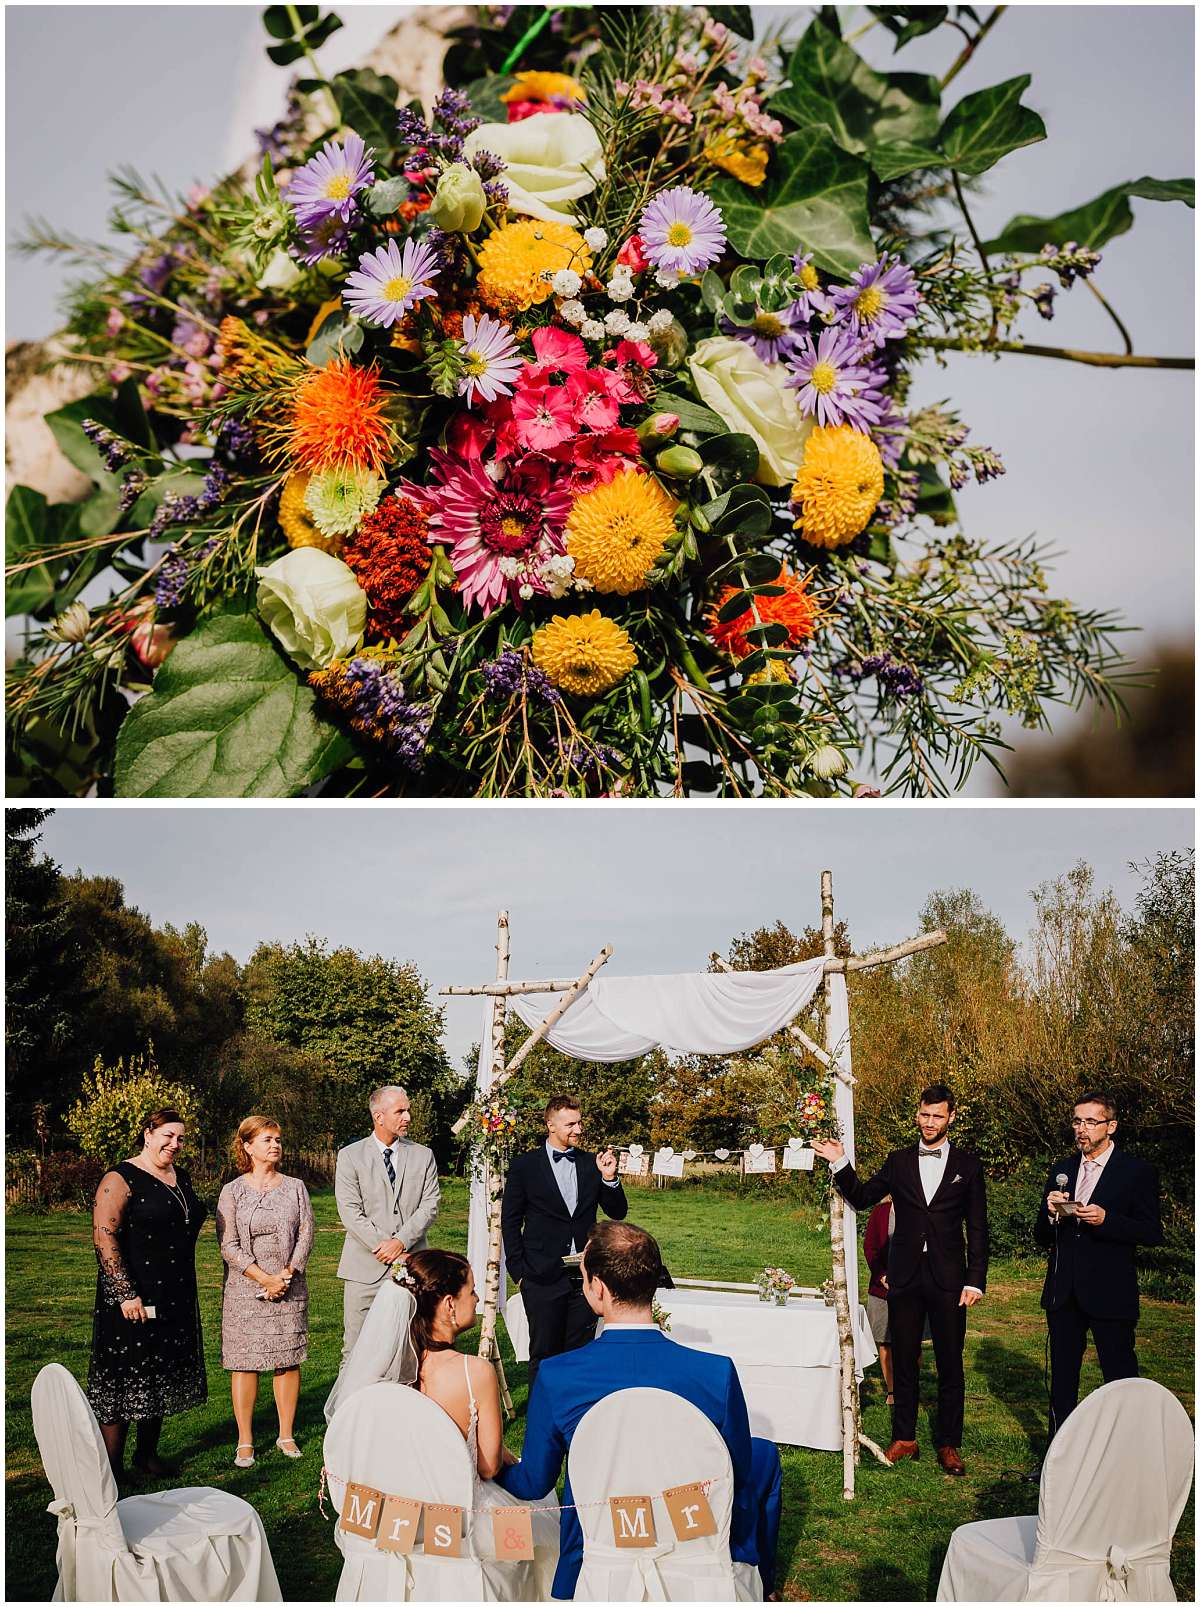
<point x="360" y="1510"/>
<point x="632" y="1520"/>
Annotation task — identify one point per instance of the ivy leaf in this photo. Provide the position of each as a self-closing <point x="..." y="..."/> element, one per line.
<point x="228" y="718"/>
<point x="832" y="86"/>
<point x="367" y="104"/>
<point x="738" y="19"/>
<point x="814" y="199"/>
<point x="897" y="157"/>
<point x="30" y="524"/>
<point x="909" y="22"/>
<point x="1093" y="224"/>
<point x="988" y="125"/>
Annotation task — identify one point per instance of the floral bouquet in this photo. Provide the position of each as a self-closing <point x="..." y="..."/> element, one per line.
<point x="489" y="1133"/>
<point x="815" y="1111"/>
<point x="556" y="438"/>
<point x="775" y="1284"/>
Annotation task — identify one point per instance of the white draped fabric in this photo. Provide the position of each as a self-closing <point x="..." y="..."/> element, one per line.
<point x="1114" y="1485"/>
<point x="177" y="1545"/>
<point x="645" y="1441"/>
<point x="698" y="1013"/>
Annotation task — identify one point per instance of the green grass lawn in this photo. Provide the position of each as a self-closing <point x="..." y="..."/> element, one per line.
<point x="887" y="1546"/>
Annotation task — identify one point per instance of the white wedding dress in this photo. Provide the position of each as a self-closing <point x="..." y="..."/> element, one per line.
<point x="384" y="1353"/>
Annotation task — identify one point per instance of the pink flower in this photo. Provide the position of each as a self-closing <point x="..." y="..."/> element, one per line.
<point x="632" y="255"/>
<point x="592" y="400"/>
<point x="542" y="415"/>
<point x="115" y="322"/>
<point x="557" y="353"/>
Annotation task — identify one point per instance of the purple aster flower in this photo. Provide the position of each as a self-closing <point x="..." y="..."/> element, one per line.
<point x="325" y="237"/>
<point x="328" y="184"/>
<point x="682" y="230"/>
<point x="834" y="385"/>
<point x="812" y="300"/>
<point x="490" y="359"/>
<point x="389" y="281"/>
<point x="773" y="336"/>
<point x="880" y="301"/>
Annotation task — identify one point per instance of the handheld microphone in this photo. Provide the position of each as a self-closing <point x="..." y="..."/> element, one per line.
<point x="1061" y="1182"/>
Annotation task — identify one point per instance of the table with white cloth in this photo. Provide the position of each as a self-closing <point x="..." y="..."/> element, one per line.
<point x="786" y="1356"/>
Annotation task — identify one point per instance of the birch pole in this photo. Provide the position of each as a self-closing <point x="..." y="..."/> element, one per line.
<point x="837" y="1237"/>
<point x="489" y="1350"/>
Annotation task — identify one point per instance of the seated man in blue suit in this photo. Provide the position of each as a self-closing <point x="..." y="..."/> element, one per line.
<point x="622" y="1267"/>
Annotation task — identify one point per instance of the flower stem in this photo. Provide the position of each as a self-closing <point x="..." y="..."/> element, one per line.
<point x="973" y="45"/>
<point x="1111" y="311"/>
<point x="1065" y="354"/>
<point x="526" y="39"/>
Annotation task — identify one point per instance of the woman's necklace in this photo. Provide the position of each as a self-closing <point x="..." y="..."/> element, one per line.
<point x="176" y="1194"/>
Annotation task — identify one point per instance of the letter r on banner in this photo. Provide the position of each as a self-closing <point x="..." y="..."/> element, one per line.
<point x="360" y="1510"/>
<point x="691" y="1516"/>
<point x="398" y="1525"/>
<point x="443" y="1531"/>
<point x="632" y="1520"/>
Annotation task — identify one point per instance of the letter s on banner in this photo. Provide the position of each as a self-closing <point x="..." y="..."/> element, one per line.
<point x="443" y="1531"/>
<point x="632" y="1520"/>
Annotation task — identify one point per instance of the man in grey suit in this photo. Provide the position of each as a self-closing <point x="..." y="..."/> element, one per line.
<point x="387" y="1196"/>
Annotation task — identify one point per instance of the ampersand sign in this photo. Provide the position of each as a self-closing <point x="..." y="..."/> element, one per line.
<point x="512" y="1531"/>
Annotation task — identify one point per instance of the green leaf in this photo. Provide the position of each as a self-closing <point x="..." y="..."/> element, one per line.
<point x="909" y="22"/>
<point x="285" y="55"/>
<point x="367" y="104"/>
<point x="314" y="38"/>
<point x="31" y="523"/>
<point x="986" y="126"/>
<point x="228" y="718"/>
<point x="1093" y="224"/>
<point x="692" y="416"/>
<point x="772" y="634"/>
<point x="934" y="497"/>
<point x="814" y="199"/>
<point x="484" y="95"/>
<point x="337" y="336"/>
<point x="743" y="508"/>
<point x="832" y="86"/>
<point x="738" y="19"/>
<point x="277" y="22"/>
<point x="381" y="200"/>
<point x="897" y="158"/>
<point x="731" y="459"/>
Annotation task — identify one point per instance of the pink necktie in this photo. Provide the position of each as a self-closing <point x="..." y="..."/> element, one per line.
<point x="1089" y="1178"/>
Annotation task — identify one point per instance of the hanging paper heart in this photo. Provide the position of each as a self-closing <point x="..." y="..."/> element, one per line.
<point x="721" y="1154"/>
<point x="689" y="1154"/>
<point x="666" y="1152"/>
<point x="795" y="1143"/>
<point x="756" y="1150"/>
<point x="635" y="1150"/>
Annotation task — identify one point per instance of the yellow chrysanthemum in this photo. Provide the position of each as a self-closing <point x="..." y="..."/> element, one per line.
<point x="583" y="653"/>
<point x="616" y="532"/>
<point x="544" y="87"/>
<point x="748" y="165"/>
<point x="295" y="520"/>
<point x="838" y="486"/>
<point x="513" y="258"/>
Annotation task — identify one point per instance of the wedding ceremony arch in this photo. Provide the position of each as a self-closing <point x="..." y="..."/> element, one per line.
<point x="608" y="1018"/>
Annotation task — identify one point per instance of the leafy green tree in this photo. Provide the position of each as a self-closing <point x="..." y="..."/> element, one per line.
<point x="110" y="1115"/>
<point x="37" y="966"/>
<point x="367" y="1019"/>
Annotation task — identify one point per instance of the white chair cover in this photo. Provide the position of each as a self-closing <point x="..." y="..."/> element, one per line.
<point x="179" y="1545"/>
<point x="392" y="1438"/>
<point x="1114" y="1484"/>
<point x="641" y="1442"/>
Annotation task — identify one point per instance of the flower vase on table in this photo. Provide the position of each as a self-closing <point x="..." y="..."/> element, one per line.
<point x="774" y="1286"/>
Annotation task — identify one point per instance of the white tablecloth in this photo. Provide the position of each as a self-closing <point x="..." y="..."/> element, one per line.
<point x="786" y="1356"/>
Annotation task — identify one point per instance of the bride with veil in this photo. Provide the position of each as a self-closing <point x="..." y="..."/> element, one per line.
<point x="408" y="1339"/>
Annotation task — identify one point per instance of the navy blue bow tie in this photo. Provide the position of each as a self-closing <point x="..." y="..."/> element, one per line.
<point x="563" y="1155"/>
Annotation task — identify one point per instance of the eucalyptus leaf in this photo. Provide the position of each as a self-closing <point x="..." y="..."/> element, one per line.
<point x="1094" y="223"/>
<point x="228" y="718"/>
<point x="745" y="509"/>
<point x="733" y="607"/>
<point x="730" y="459"/>
<point x="988" y="125"/>
<point x="381" y="200"/>
<point x="277" y="22"/>
<point x="772" y="634"/>
<point x="284" y="55"/>
<point x="814" y="199"/>
<point x="712" y="290"/>
<point x="830" y="85"/>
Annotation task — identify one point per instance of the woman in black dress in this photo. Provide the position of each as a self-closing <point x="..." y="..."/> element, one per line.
<point x="147" y="1354"/>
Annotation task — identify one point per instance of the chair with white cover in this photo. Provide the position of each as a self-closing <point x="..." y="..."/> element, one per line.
<point x="641" y="1442"/>
<point x="1114" y="1484"/>
<point x="391" y="1438"/>
<point x="176" y="1545"/>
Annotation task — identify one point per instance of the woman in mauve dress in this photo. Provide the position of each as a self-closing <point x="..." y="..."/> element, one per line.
<point x="265" y="1230"/>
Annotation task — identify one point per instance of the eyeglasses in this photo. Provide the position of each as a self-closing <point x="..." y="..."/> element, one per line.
<point x="1090" y="1121"/>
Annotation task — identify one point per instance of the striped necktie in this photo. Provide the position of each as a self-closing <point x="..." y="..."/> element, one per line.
<point x="391" y="1170"/>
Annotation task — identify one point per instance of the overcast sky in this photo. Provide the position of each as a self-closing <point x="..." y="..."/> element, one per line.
<point x="1100" y="463"/>
<point x="664" y="887"/>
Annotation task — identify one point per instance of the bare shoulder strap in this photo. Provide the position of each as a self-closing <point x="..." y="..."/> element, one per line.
<point x="467" y="1376"/>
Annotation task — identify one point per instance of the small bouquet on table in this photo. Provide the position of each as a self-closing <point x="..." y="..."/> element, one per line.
<point x="774" y="1285"/>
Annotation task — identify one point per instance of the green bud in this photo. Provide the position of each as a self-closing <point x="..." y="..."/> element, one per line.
<point x="459" y="202"/>
<point x="679" y="463"/>
<point x="658" y="427"/>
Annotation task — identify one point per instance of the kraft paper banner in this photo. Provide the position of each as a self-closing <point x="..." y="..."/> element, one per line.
<point x="512" y="1531"/>
<point x="398" y="1525"/>
<point x="691" y="1516"/>
<point x="443" y="1531"/>
<point x="632" y="1520"/>
<point x="360" y="1510"/>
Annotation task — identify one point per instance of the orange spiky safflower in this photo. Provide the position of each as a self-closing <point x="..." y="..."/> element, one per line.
<point x="338" y="419"/>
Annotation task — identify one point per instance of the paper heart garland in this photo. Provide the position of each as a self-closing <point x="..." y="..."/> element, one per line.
<point x="635" y="1150"/>
<point x="689" y="1154"/>
<point x="666" y="1152"/>
<point x="721" y="1154"/>
<point x="756" y="1150"/>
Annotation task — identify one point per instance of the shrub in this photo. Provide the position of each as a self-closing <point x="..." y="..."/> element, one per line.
<point x="109" y="1116"/>
<point x="70" y="1179"/>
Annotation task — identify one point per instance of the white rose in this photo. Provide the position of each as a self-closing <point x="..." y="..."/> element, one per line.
<point x="551" y="159"/>
<point x="280" y="273"/>
<point x="314" y="606"/>
<point x="753" y="399"/>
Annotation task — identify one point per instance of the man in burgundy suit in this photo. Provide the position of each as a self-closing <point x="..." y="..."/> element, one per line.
<point x="938" y="1190"/>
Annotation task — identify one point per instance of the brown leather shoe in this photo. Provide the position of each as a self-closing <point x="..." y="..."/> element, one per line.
<point x="949" y="1461"/>
<point x="902" y="1450"/>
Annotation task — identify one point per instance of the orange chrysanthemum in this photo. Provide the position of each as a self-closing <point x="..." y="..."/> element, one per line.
<point x="793" y="608"/>
<point x="338" y="420"/>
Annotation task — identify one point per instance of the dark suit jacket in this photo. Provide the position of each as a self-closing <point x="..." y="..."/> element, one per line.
<point x="960" y="1199"/>
<point x="567" y="1385"/>
<point x="1098" y="1265"/>
<point x="537" y="1228"/>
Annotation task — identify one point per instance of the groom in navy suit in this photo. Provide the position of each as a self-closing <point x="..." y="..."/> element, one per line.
<point x="622" y="1267"/>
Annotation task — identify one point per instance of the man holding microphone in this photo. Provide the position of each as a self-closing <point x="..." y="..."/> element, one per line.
<point x="1099" y="1204"/>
